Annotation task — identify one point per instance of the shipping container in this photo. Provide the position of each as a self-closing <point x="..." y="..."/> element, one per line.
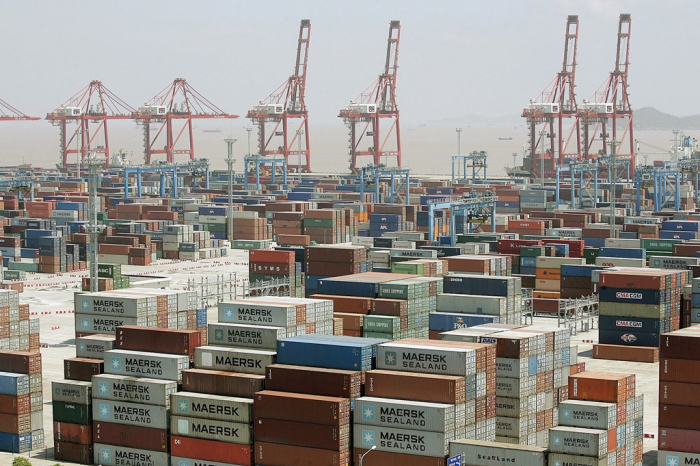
<point x="72" y="391"/>
<point x="677" y="458"/>
<point x="413" y="386"/>
<point x="679" y="439"/>
<point x="385" y="458"/>
<point x="131" y="414"/>
<point x="313" y="380"/>
<point x="222" y="383"/>
<point x="679" y="417"/>
<point x="258" y="313"/>
<point x="146" y="438"/>
<point x="246" y="360"/>
<point x="684" y="394"/>
<point x="584" y="442"/>
<point x="600" y="386"/>
<point x="20" y="362"/>
<point x="73" y="452"/>
<point x="408" y="441"/>
<point x="679" y="370"/>
<point x="182" y="461"/>
<point x="16" y="423"/>
<point x="680" y="345"/>
<point x="98" y="324"/>
<point x="111" y="304"/>
<point x="587" y="414"/>
<point x="72" y="433"/>
<point x="207" y="429"/>
<point x="210" y="450"/>
<point x="15" y="405"/>
<point x="481" y="453"/>
<point x="134" y="389"/>
<point x="276" y="454"/>
<point x="72" y="413"/>
<point x="14" y="384"/>
<point x="244" y="335"/>
<point x="141" y="364"/>
<point x="215" y="407"/>
<point x="302" y="408"/>
<point x="556" y="459"/>
<point x="94" y="346"/>
<point x="158" y="340"/>
<point x="416" y="415"/>
<point x="112" y="455"/>
<point x="303" y="434"/>
<point x="82" y="368"/>
<point x="333" y="354"/>
<point x="426" y="359"/>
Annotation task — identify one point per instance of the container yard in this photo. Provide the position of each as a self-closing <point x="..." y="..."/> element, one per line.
<point x="171" y="313"/>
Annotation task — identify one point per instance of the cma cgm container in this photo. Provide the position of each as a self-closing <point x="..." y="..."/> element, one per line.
<point x="130" y="414"/>
<point x="250" y="361"/>
<point x="258" y="313"/>
<point x="111" y="455"/>
<point x="480" y="453"/>
<point x="134" y="389"/>
<point x="432" y="417"/>
<point x="206" y="406"/>
<point x="151" y="365"/>
<point x="244" y="335"/>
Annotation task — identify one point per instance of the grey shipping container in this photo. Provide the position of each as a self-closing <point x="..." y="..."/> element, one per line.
<point x="221" y="431"/>
<point x="71" y="391"/>
<point x="86" y="323"/>
<point x="556" y="459"/>
<point x="247" y="312"/>
<point x="134" y="389"/>
<point x="245" y="335"/>
<point x="642" y="311"/>
<point x="426" y="359"/>
<point x="94" y="346"/>
<point x="513" y="368"/>
<point x="411" y="442"/>
<point x="134" y="414"/>
<point x="514" y="427"/>
<point x="248" y="361"/>
<point x="110" y="455"/>
<point x="577" y="441"/>
<point x="112" y="305"/>
<point x="481" y="453"/>
<point x="513" y="407"/>
<point x="588" y="414"/>
<point x="215" y="407"/>
<point x="677" y="458"/>
<point x="515" y="387"/>
<point x="432" y="417"/>
<point x="150" y="365"/>
<point x="471" y="304"/>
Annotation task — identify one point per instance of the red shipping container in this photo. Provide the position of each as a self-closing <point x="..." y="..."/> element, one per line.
<point x="72" y="433"/>
<point x="157" y="340"/>
<point x="601" y="386"/>
<point x="302" y="408"/>
<point x="132" y="437"/>
<point x="210" y="450"/>
<point x="679" y="370"/>
<point x="73" y="452"/>
<point x="385" y="458"/>
<point x="15" y="404"/>
<point x="270" y="255"/>
<point x="275" y="454"/>
<point x="20" y="362"/>
<point x="303" y="434"/>
<point x="679" y="440"/>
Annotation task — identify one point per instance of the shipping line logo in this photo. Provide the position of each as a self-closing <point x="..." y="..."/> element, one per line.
<point x="628" y="338"/>
<point x="85" y="304"/>
<point x="116" y="363"/>
<point x="566" y="413"/>
<point x="672" y="461"/>
<point x="85" y="323"/>
<point x="106" y="454"/>
<point x="103" y="388"/>
<point x="183" y="426"/>
<point x="556" y="440"/>
<point x="183" y="406"/>
<point x="368" y="413"/>
<point x="183" y="463"/>
<point x="367" y="437"/>
<point x="218" y="335"/>
<point x="104" y="411"/>
<point x="390" y="358"/>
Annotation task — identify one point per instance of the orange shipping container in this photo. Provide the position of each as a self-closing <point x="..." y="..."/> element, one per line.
<point x="602" y="386"/>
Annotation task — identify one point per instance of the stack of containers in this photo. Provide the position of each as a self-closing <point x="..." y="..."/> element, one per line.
<point x="603" y="425"/>
<point x="531" y="372"/>
<point x="631" y="332"/>
<point x="17" y="331"/>
<point x="474" y="363"/>
<point x="576" y="280"/>
<point x="21" y="402"/>
<point x="679" y="424"/>
<point x="324" y="226"/>
<point x="380" y="223"/>
<point x="679" y="229"/>
<point x="321" y="262"/>
<point x="477" y="452"/>
<point x="293" y="428"/>
<point x="72" y="421"/>
<point x="266" y="265"/>
<point x="548" y="271"/>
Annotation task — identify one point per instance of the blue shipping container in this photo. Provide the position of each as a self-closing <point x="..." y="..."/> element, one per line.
<point x="366" y="289"/>
<point x="15" y="443"/>
<point x="568" y="270"/>
<point x="476" y="285"/>
<point x="332" y="355"/>
<point x="628" y="338"/>
<point x="628" y="253"/>
<point x="680" y="225"/>
<point x="623" y="295"/>
<point x="685" y="235"/>
<point x="594" y="242"/>
<point x="626" y="324"/>
<point x="14" y="384"/>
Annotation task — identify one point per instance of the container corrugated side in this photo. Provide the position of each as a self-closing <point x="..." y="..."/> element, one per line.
<point x="111" y="455"/>
<point x="471" y="304"/>
<point x="252" y="313"/>
<point x="214" y="407"/>
<point x="133" y="437"/>
<point x="245" y="335"/>
<point x="577" y="441"/>
<point x="587" y="414"/>
<point x="277" y="454"/>
<point x="136" y="414"/>
<point x="88" y="323"/>
<point x="71" y="391"/>
<point x="577" y="460"/>
<point x="117" y="306"/>
<point x="303" y="434"/>
<point x="133" y="389"/>
<point x="210" y="450"/>
<point x="435" y="444"/>
<point x="222" y="383"/>
<point x="301" y="407"/>
<point x="207" y="429"/>
<point x="94" y="346"/>
<point x="432" y="417"/>
<point x="426" y="359"/>
<point x="182" y="461"/>
<point x="141" y="364"/>
<point x="330" y="354"/>
<point x="14" y="384"/>
<point x="481" y="453"/>
<point x="386" y="458"/>
<point x="679" y="458"/>
<point x="246" y="360"/>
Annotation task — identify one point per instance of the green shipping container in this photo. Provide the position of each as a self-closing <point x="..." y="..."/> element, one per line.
<point x="402" y="267"/>
<point x="72" y="412"/>
<point x="25" y="266"/>
<point x="532" y="251"/>
<point x="590" y="254"/>
<point x="659" y="245"/>
<point x="384" y="324"/>
<point x="319" y="222"/>
<point x="250" y="244"/>
<point x="109" y="270"/>
<point x="385" y="336"/>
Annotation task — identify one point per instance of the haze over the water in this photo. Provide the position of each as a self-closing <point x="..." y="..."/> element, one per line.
<point x="457" y="58"/>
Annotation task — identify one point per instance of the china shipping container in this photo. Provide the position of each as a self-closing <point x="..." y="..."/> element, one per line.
<point x="222" y="383"/>
<point x="209" y="450"/>
<point x="134" y="389"/>
<point x="146" y="438"/>
<point x="215" y="407"/>
<point x="112" y="455"/>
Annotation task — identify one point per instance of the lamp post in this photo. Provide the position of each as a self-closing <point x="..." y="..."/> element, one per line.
<point x="230" y="141"/>
<point x="459" y="149"/>
<point x="374" y="447"/>
<point x="249" y="129"/>
<point x="300" y="133"/>
<point x="612" y="170"/>
<point x="543" y="134"/>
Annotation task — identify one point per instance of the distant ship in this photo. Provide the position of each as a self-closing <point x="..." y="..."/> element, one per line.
<point x="505" y="139"/>
<point x="518" y="172"/>
<point x="217" y="130"/>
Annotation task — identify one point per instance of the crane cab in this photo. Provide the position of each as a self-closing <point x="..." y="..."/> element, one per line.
<point x="361" y="108"/>
<point x="153" y="110"/>
<point x="69" y="111"/>
<point x="269" y="109"/>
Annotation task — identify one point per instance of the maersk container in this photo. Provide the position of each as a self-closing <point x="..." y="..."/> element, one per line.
<point x="587" y="414"/>
<point x="244" y="335"/>
<point x="514" y="407"/>
<point x="14" y="384"/>
<point x="136" y="414"/>
<point x="514" y="427"/>
<point x="426" y="359"/>
<point x="214" y="407"/>
<point x="577" y="460"/>
<point x="94" y="346"/>
<point x="14" y="443"/>
<point x="514" y="368"/>
<point x="681" y="263"/>
<point x="133" y="389"/>
<point x="71" y="391"/>
<point x="245" y="360"/>
<point x="471" y="304"/>
<point x="411" y="442"/>
<point x="629" y="323"/>
<point x="257" y="313"/>
<point x="111" y="305"/>
<point x="483" y="285"/>
<point x="677" y="458"/>
<point x="577" y="441"/>
<point x="86" y="323"/>
<point x="623" y="295"/>
<point x="141" y="364"/>
<point x="628" y="338"/>
<point x="432" y="417"/>
<point x="447" y="321"/>
<point x="515" y="387"/>
<point x="331" y="354"/>
<point x="220" y="431"/>
<point x="481" y="453"/>
<point x="111" y="455"/>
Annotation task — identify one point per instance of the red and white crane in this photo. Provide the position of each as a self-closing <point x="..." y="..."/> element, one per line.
<point x="89" y="109"/>
<point x="172" y="111"/>
<point x="546" y="115"/>
<point x="10" y="113"/>
<point x="607" y="116"/>
<point x="378" y="102"/>
<point x="282" y="117"/>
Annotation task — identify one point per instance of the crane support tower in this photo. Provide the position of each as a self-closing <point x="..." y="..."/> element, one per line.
<point x="177" y="103"/>
<point x="608" y="112"/>
<point x="90" y="109"/>
<point x="547" y="113"/>
<point x="282" y="117"/>
<point x="377" y="102"/>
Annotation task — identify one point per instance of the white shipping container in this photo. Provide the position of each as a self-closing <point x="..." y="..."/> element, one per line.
<point x="111" y="305"/>
<point x="133" y="389"/>
<point x="214" y="407"/>
<point x="547" y="262"/>
<point x="94" y="346"/>
<point x="86" y="323"/>
<point x="131" y="414"/>
<point x="511" y="426"/>
<point x="587" y="414"/>
<point x="515" y="387"/>
<point x="247" y="312"/>
<point x="577" y="441"/>
<point x="681" y="263"/>
<point x="514" y="368"/>
<point x="71" y="391"/>
<point x="471" y="304"/>
<point x="220" y="431"/>
<point x="426" y="359"/>
<point x="620" y="262"/>
<point x="411" y="442"/>
<point x="243" y="335"/>
<point x="142" y="364"/>
<point x="622" y="243"/>
<point x="556" y="459"/>
<point x="111" y="455"/>
<point x="247" y="361"/>
<point x="432" y="417"/>
<point x="182" y="461"/>
<point x="481" y="453"/>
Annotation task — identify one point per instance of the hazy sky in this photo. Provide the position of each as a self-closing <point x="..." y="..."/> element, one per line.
<point x="456" y="57"/>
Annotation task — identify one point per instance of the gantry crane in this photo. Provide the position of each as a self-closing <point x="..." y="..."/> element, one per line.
<point x="547" y="113"/>
<point x="283" y="108"/>
<point x="10" y="113"/>
<point x="90" y="108"/>
<point x="164" y="109"/>
<point x="377" y="102"/>
<point x="609" y="108"/>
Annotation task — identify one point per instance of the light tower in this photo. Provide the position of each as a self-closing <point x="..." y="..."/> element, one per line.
<point x="230" y="141"/>
<point x="282" y="116"/>
<point x="363" y="115"/>
<point x="94" y="163"/>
